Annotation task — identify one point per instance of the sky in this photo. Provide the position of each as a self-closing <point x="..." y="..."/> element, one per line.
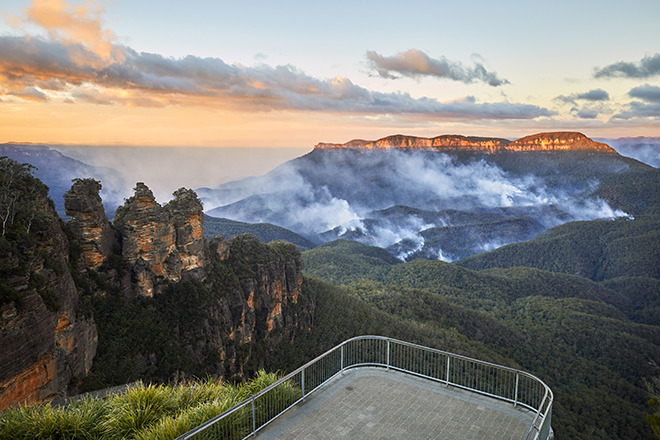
<point x="292" y="74"/>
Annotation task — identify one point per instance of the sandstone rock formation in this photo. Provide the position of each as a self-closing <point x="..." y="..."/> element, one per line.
<point x="249" y="306"/>
<point x="161" y="243"/>
<point x="47" y="347"/>
<point x="266" y="295"/>
<point x="569" y="141"/>
<point x="445" y="142"/>
<point x="88" y="221"/>
<point x="537" y="142"/>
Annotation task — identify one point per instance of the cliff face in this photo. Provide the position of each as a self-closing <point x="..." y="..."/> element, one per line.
<point x="537" y="142"/>
<point x="265" y="309"/>
<point x="440" y="143"/>
<point x="88" y="221"/>
<point x="225" y="305"/>
<point x="47" y="345"/>
<point x="161" y="244"/>
<point x="566" y="141"/>
<point x="266" y="295"/>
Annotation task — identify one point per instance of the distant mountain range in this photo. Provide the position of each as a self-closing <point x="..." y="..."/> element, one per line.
<point x="445" y="197"/>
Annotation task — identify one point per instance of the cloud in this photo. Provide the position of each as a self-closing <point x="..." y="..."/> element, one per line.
<point x="647" y="67"/>
<point x="587" y="113"/>
<point x="638" y="109"/>
<point x="415" y="63"/>
<point x="80" y="62"/>
<point x="591" y="95"/>
<point x="648" y="109"/>
<point x="146" y="79"/>
<point x="646" y="93"/>
<point x="71" y="23"/>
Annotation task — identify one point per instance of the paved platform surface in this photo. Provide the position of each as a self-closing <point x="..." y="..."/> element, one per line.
<point x="372" y="403"/>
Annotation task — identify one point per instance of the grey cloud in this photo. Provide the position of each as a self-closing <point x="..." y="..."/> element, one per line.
<point x="639" y="110"/>
<point x="591" y="95"/>
<point x="415" y="63"/>
<point x="646" y="92"/>
<point x="587" y="113"/>
<point x="153" y="80"/>
<point x="647" y="67"/>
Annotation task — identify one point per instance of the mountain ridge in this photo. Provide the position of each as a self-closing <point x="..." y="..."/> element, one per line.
<point x="549" y="141"/>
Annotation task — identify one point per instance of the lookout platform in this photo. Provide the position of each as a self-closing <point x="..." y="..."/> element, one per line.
<point x="374" y="403"/>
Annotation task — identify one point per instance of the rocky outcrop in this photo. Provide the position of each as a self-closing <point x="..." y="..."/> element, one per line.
<point x="161" y="244"/>
<point x="267" y="294"/>
<point x="88" y="221"/>
<point x="246" y="296"/>
<point x="440" y="143"/>
<point x="47" y="346"/>
<point x="537" y="142"/>
<point x="266" y="308"/>
<point x="558" y="141"/>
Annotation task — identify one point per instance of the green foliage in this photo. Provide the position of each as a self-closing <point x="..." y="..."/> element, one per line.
<point x="142" y="412"/>
<point x="8" y="294"/>
<point x="654" y="418"/>
<point x="341" y="261"/>
<point x="599" y="250"/>
<point x="23" y="199"/>
<point x="634" y="193"/>
<point x="266" y="232"/>
<point x="643" y="294"/>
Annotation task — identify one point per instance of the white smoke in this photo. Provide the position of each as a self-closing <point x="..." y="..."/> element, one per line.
<point x="342" y="192"/>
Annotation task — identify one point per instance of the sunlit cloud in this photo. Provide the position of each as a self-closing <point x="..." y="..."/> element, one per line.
<point x="153" y="80"/>
<point x="71" y="23"/>
<point x="414" y="64"/>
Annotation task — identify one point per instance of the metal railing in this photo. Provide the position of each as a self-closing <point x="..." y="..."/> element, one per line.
<point x="510" y="385"/>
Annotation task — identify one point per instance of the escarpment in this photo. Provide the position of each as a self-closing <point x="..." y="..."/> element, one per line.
<point x="554" y="141"/>
<point x="47" y="342"/>
<point x="94" y="304"/>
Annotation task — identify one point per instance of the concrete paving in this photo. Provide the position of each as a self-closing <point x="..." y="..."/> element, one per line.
<point x="372" y="403"/>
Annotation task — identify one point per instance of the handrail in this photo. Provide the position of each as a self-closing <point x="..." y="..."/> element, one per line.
<point x="503" y="383"/>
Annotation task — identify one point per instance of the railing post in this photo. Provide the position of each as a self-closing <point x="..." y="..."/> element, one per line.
<point x="448" y="359"/>
<point x="388" y="354"/>
<point x="254" y="418"/>
<point x="342" y="357"/>
<point x="515" y="398"/>
<point x="303" y="383"/>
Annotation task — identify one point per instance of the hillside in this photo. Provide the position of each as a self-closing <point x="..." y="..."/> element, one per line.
<point x="595" y="344"/>
<point x="263" y="231"/>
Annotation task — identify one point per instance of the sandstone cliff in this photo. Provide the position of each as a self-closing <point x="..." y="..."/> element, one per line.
<point x="537" y="142"/>
<point x="47" y="344"/>
<point x="567" y="141"/>
<point x="203" y="309"/>
<point x="88" y="221"/>
<point x="439" y="143"/>
<point x="161" y="244"/>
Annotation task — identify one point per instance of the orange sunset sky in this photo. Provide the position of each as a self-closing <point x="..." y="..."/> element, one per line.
<point x="292" y="74"/>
